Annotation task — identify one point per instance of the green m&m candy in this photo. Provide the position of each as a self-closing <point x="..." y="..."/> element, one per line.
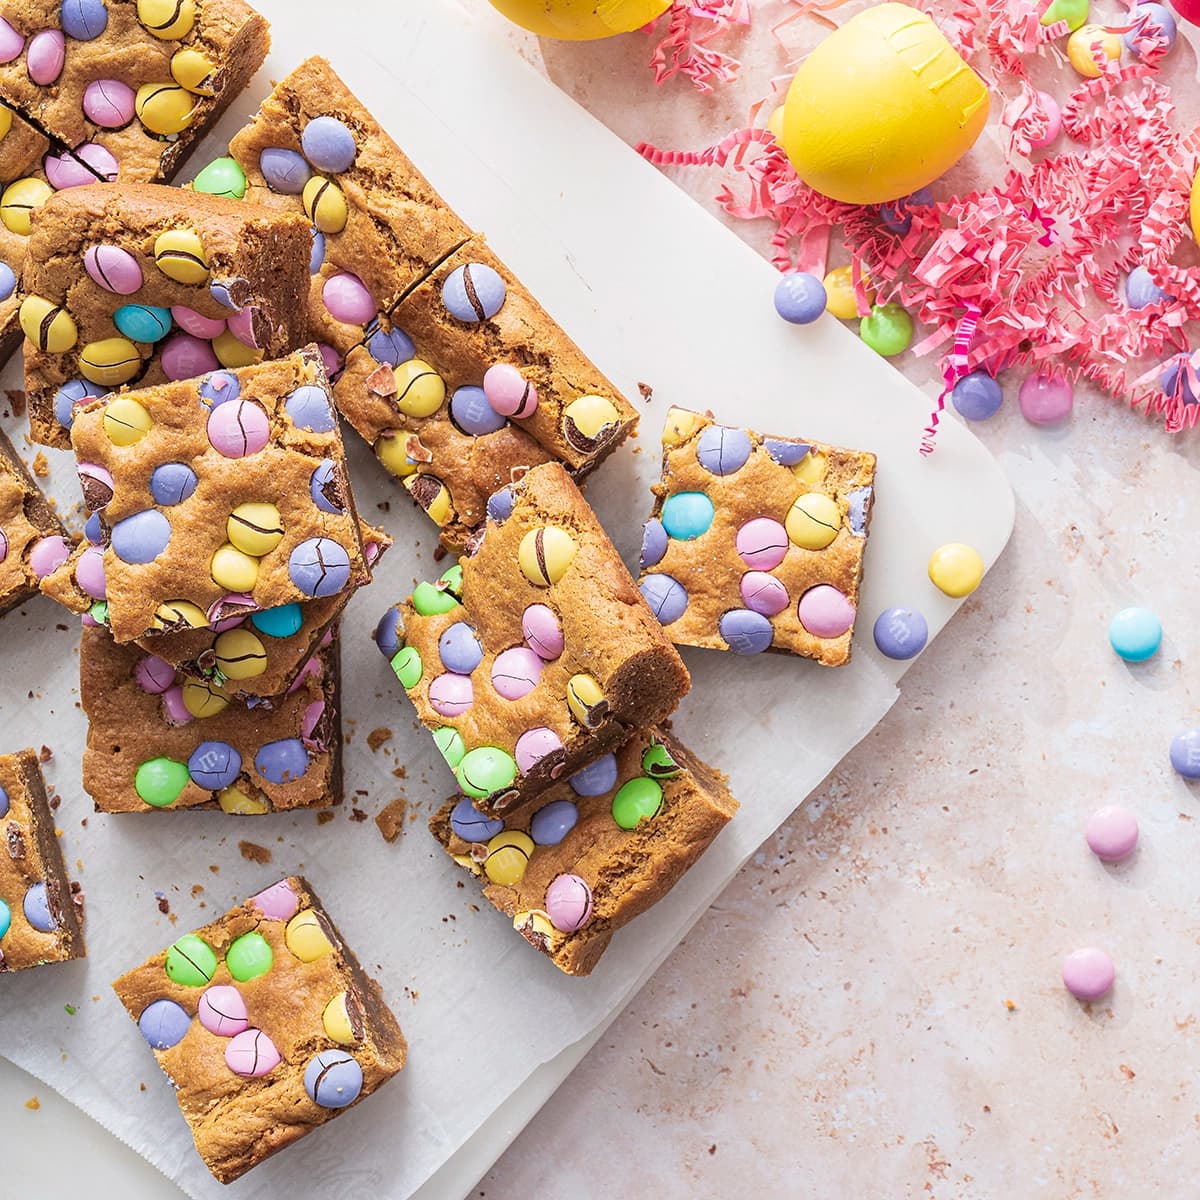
<point x="249" y="956"/>
<point x="887" y="329"/>
<point x="99" y="612"/>
<point x="1074" y="12"/>
<point x="191" y="961"/>
<point x="160" y="782"/>
<point x="408" y="667"/>
<point x="658" y="763"/>
<point x="451" y="581"/>
<point x="429" y="600"/>
<point x="449" y="742"/>
<point x="485" y="771"/>
<point x="637" y="801"/>
<point x="222" y="177"/>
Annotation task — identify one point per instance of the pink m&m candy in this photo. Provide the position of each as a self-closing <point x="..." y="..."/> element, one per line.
<point x="113" y="269"/>
<point x="568" y="903"/>
<point x="222" y="1011"/>
<point x="762" y="543"/>
<point x="175" y="712"/>
<point x="509" y="392"/>
<point x="251" y="1054"/>
<point x="451" y="695"/>
<point x="1045" y="399"/>
<point x="533" y="745"/>
<point x="543" y="633"/>
<point x="109" y="103"/>
<point x="48" y="555"/>
<point x="347" y="299"/>
<point x="763" y="593"/>
<point x="11" y="42"/>
<point x="825" y="612"/>
<point x="89" y="572"/>
<point x="1088" y="973"/>
<point x="239" y="428"/>
<point x="516" y="672"/>
<point x="46" y="56"/>
<point x="331" y="358"/>
<point x="1112" y="833"/>
<point x="278" y="902"/>
<point x="241" y="325"/>
<point x="198" y="325"/>
<point x="1053" y="116"/>
<point x="153" y="675"/>
<point x="186" y="357"/>
<point x="100" y="160"/>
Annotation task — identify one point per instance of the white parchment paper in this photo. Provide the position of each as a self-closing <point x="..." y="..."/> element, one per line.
<point x="669" y="298"/>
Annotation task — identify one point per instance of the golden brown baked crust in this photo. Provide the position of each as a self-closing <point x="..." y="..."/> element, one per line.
<point x="25" y="518"/>
<point x="263" y="255"/>
<point x="232" y="36"/>
<point x="325" y="541"/>
<point x="627" y="871"/>
<point x="238" y="1121"/>
<point x="129" y="725"/>
<point x="608" y="631"/>
<point x="33" y="878"/>
<point x="710" y="568"/>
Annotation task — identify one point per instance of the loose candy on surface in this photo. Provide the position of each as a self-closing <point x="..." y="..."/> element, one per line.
<point x="977" y="396"/>
<point x="887" y="329"/>
<point x="956" y="569"/>
<point x="1185" y="753"/>
<point x="1088" y="973"/>
<point x="901" y="633"/>
<point x="1112" y="833"/>
<point x="800" y="298"/>
<point x="1135" y="634"/>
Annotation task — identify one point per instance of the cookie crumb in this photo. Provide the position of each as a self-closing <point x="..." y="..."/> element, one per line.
<point x="253" y="852"/>
<point x="440" y="553"/>
<point x="45" y="754"/>
<point x="164" y="905"/>
<point x="713" y="1148"/>
<point x="391" y="819"/>
<point x="357" y="814"/>
<point x="377" y="737"/>
<point x="197" y="890"/>
<point x="33" y="1104"/>
<point x="323" y="818"/>
<point x="1010" y="1006"/>
<point x="401" y="772"/>
<point x="647" y="394"/>
<point x="41" y="465"/>
<point x="16" y="401"/>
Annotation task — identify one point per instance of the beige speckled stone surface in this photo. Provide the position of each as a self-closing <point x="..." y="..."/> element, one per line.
<point x="837" y="1024"/>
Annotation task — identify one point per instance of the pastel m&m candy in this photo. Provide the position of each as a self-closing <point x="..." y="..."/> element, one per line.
<point x="901" y="633"/>
<point x="977" y="396"/>
<point x="333" y="1079"/>
<point x="342" y="1020"/>
<point x="636" y="802"/>
<point x="687" y="515"/>
<point x="251" y="1054"/>
<point x="282" y="762"/>
<point x="238" y="429"/>
<point x="825" y="612"/>
<point x="164" y="108"/>
<point x="800" y="298"/>
<point x="586" y="422"/>
<point x="552" y="822"/>
<point x="956" y="569"/>
<point x="586" y="700"/>
<point x="325" y="205"/>
<point x="141" y="537"/>
<point x="143" y="322"/>
<point x="18" y="202"/>
<point x="533" y="746"/>
<point x="568" y="903"/>
<point x="83" y="20"/>
<point x="1112" y="833"/>
<point x="190" y="961"/>
<point x="222" y="177"/>
<point x="249" y="956"/>
<point x="193" y="70"/>
<point x="1185" y="753"/>
<point x="222" y="1011"/>
<point x="255" y="528"/>
<point x="347" y="299"/>
<point x="279" y="902"/>
<point x="164" y="1024"/>
<point x="170" y="20"/>
<point x="471" y="825"/>
<point x="763" y="593"/>
<point x="471" y="411"/>
<point x="1045" y="399"/>
<point x="329" y="145"/>
<point x="473" y="292"/>
<point x="451" y="695"/>
<point x="485" y="771"/>
<point x="596" y="778"/>
<point x="508" y="392"/>
<point x="45" y="56"/>
<point x="887" y="329"/>
<point x="508" y="857"/>
<point x="1135" y="634"/>
<point x="542" y="632"/>
<point x="420" y="390"/>
<point x="1088" y="974"/>
<point x="723" y="451"/>
<point x="667" y="597"/>
<point x="48" y="326"/>
<point x="109" y="103"/>
<point x="545" y="554"/>
<point x="114" y="269"/>
<point x="36" y="907"/>
<point x="285" y="171"/>
<point x="110" y="362"/>
<point x="459" y="649"/>
<point x="813" y="521"/>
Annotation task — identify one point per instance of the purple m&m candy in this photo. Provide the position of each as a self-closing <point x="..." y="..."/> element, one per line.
<point x="451" y="695"/>
<point x="473" y="826"/>
<point x="387" y="633"/>
<point x="37" y="909"/>
<point x="319" y="566"/>
<point x="164" y="1024"/>
<point x="113" y="269"/>
<point x="333" y="1079"/>
<point x="316" y="260"/>
<point x="825" y="612"/>
<point x="471" y="412"/>
<point x="93" y="530"/>
<point x="222" y="1011"/>
<point x="500" y="505"/>
<point x="283" y="761"/>
<point x="153" y="675"/>
<point x="667" y="597"/>
<point x="325" y="487"/>
<point x="186" y="357"/>
<point x="329" y="145"/>
<point x="746" y="632"/>
<point x="459" y="648"/>
<point x="787" y="454"/>
<point x="1170" y="383"/>
<point x="284" y="170"/>
<point x="654" y="543"/>
<point x="509" y="392"/>
<point x="1185" y="753"/>
<point x="48" y="554"/>
<point x="72" y="395"/>
<point x="198" y="325"/>
<point x="309" y="408"/>
<point x="4" y="805"/>
<point x="762" y="544"/>
<point x="83" y="20"/>
<point x="390" y="346"/>
<point x="278" y="902"/>
<point x="1141" y="290"/>
<point x="219" y="388"/>
<point x="977" y="396"/>
<point x="89" y="572"/>
<point x="1151" y="20"/>
<point x="896" y="215"/>
<point x="763" y="593"/>
<point x="534" y="745"/>
<point x="553" y="822"/>
<point x="11" y="42"/>
<point x="800" y="298"/>
<point x="46" y="56"/>
<point x="568" y="903"/>
<point x="109" y="103"/>
<point x="251" y="1054"/>
<point x="239" y="429"/>
<point x="473" y="293"/>
<point x="8" y="281"/>
<point x="347" y="299"/>
<point x="172" y="483"/>
<point x="723" y="451"/>
<point x="596" y="778"/>
<point x="542" y="631"/>
<point x="142" y="537"/>
<point x="516" y="672"/>
<point x="901" y="633"/>
<point x="214" y="765"/>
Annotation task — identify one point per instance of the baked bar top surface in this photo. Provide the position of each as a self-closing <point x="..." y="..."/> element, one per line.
<point x="210" y="491"/>
<point x="266" y="1025"/>
<point x="756" y="542"/>
<point x="40" y="918"/>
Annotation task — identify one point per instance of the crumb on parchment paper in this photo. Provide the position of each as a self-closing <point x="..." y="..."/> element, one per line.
<point x="33" y="1104"/>
<point x="391" y="819"/>
<point x="253" y="852"/>
<point x="377" y="737"/>
<point x="41" y="465"/>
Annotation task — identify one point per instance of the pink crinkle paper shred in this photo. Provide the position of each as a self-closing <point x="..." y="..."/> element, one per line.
<point x="1028" y="271"/>
<point x="684" y="49"/>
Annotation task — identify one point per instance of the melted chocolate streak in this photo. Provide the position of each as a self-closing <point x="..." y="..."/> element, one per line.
<point x="174" y="17"/>
<point x="539" y="546"/>
<point x="472" y="294"/>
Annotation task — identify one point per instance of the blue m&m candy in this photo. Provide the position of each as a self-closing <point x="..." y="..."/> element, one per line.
<point x="280" y="622"/>
<point x="1135" y="634"/>
<point x="687" y="515"/>
<point x="143" y="322"/>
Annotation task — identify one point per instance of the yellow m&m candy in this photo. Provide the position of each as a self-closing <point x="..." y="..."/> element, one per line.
<point x="234" y="354"/>
<point x="240" y="655"/>
<point x="169" y="20"/>
<point x="192" y="70"/>
<point x="305" y="938"/>
<point x="110" y="362"/>
<point x="6" y="120"/>
<point x="433" y="496"/>
<point x="391" y="448"/>
<point x="420" y="390"/>
<point x="164" y="108"/>
<point x="176" y="615"/>
<point x="545" y="554"/>
<point x="255" y="528"/>
<point x="813" y="521"/>
<point x="203" y="700"/>
<point x="840" y="299"/>
<point x="508" y="857"/>
<point x="325" y="204"/>
<point x="179" y="255"/>
<point x="811" y="468"/>
<point x="1196" y="207"/>
<point x="125" y="423"/>
<point x="956" y="569"/>
<point x="47" y="325"/>
<point x="233" y="570"/>
<point x="234" y="800"/>
<point x="585" y="699"/>
<point x="881" y="108"/>
<point x="585" y="419"/>
<point x="679" y="426"/>
<point x="20" y="199"/>
<point x="336" y="1020"/>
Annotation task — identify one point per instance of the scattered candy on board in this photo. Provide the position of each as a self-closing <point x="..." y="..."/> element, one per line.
<point x="800" y="298"/>
<point x="1045" y="399"/>
<point x="1185" y="753"/>
<point x="901" y="633"/>
<point x="1112" y="833"/>
<point x="1088" y="973"/>
<point x="1135" y="634"/>
<point x="956" y="569"/>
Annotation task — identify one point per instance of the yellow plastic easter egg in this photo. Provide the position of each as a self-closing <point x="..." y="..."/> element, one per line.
<point x="1196" y="206"/>
<point x="882" y="107"/>
<point x="581" y="20"/>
